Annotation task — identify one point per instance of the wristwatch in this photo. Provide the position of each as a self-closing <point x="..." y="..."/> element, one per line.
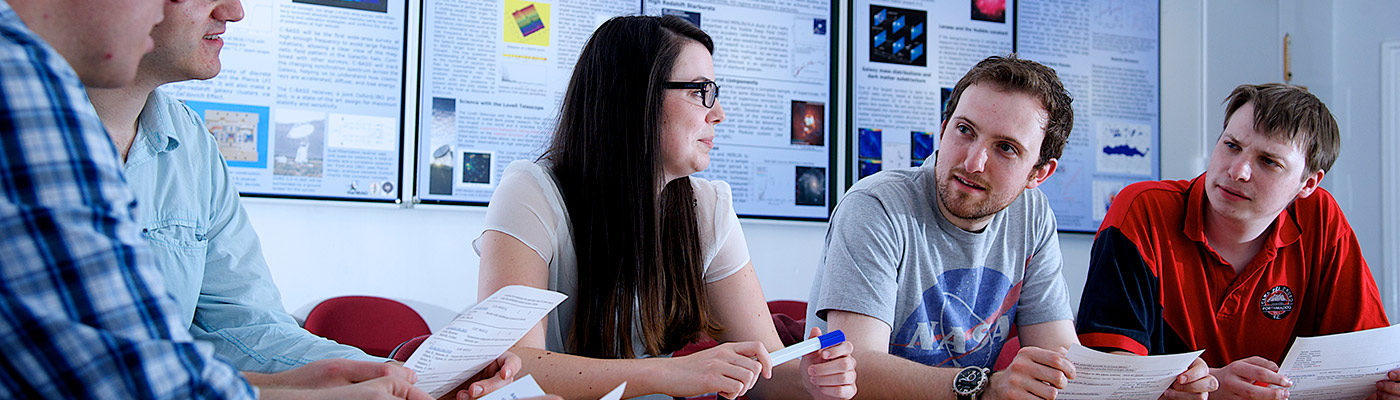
<point x="970" y="382"/>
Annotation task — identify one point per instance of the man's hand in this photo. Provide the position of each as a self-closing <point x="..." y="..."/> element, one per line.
<point x="1388" y="389"/>
<point x="385" y="388"/>
<point x="1195" y="383"/>
<point x="496" y="375"/>
<point x="331" y="373"/>
<point x="1035" y="373"/>
<point x="1249" y="379"/>
<point x="830" y="372"/>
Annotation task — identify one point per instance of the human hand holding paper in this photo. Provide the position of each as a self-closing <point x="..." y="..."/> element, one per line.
<point x="496" y="375"/>
<point x="1389" y="388"/>
<point x="479" y="337"/>
<point x="1344" y="365"/>
<point x="1250" y="378"/>
<point x="330" y="373"/>
<point x="1195" y="383"/>
<point x="1035" y="371"/>
<point x="1099" y="375"/>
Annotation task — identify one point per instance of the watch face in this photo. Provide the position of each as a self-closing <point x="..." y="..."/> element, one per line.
<point x="969" y="381"/>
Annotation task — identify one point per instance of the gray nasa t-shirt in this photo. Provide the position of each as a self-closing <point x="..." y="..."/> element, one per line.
<point x="950" y="296"/>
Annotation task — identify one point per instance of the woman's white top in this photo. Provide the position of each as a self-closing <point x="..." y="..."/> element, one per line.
<point x="528" y="206"/>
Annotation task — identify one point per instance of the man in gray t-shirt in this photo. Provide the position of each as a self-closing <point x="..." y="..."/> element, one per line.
<point x="939" y="264"/>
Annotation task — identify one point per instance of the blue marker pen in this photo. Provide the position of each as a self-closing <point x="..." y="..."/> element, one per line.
<point x="803" y="348"/>
<point x="806" y="347"/>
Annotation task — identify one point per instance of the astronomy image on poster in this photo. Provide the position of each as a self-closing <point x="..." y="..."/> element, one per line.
<point x="909" y="54"/>
<point x="309" y="110"/>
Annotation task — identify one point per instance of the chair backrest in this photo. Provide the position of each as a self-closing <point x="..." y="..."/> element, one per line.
<point x="373" y="324"/>
<point x="407" y="348"/>
<point x="797" y="310"/>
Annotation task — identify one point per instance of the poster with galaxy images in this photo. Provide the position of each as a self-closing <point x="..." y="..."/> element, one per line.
<point x="309" y="100"/>
<point x="773" y="66"/>
<point x="490" y="85"/>
<point x="1109" y="62"/>
<point x="490" y="94"/>
<point x="908" y="56"/>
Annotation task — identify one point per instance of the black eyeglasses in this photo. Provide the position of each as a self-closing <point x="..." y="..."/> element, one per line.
<point x="709" y="90"/>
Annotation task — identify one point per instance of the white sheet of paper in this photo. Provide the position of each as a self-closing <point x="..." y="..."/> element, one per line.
<point x="478" y="336"/>
<point x="526" y="387"/>
<point x="1099" y="375"/>
<point x="522" y="388"/>
<point x="615" y="394"/>
<point x="1341" y="366"/>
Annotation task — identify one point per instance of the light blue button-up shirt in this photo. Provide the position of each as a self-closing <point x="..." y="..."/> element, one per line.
<point x="188" y="210"/>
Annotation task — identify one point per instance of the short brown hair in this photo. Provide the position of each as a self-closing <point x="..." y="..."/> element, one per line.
<point x="1288" y="111"/>
<point x="1025" y="76"/>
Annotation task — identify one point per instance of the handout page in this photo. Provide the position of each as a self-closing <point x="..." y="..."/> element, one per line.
<point x="1341" y="366"/>
<point x="1099" y="375"/>
<point x="526" y="387"/>
<point x="522" y="388"/>
<point x="615" y="394"/>
<point x="478" y="336"/>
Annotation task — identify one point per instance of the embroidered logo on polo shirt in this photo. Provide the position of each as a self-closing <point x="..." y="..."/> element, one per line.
<point x="1277" y="302"/>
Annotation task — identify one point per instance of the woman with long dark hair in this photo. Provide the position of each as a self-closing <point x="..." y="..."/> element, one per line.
<point x="651" y="258"/>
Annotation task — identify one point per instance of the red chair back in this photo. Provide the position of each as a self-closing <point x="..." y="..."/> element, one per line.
<point x="407" y="348"/>
<point x="1008" y="353"/>
<point x="797" y="310"/>
<point x="374" y="324"/>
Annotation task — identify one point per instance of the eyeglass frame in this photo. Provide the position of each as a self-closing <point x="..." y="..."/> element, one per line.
<point x="704" y="90"/>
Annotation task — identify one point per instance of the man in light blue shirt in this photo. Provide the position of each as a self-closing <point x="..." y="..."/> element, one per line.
<point x="189" y="212"/>
<point x="188" y="208"/>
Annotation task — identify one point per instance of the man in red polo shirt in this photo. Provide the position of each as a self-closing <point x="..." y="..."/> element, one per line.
<point x="1239" y="260"/>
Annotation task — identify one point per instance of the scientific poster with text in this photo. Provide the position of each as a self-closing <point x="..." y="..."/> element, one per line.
<point x="1107" y="55"/>
<point x="908" y="56"/>
<point x="493" y="74"/>
<point x="773" y="66"/>
<point x="309" y="100"/>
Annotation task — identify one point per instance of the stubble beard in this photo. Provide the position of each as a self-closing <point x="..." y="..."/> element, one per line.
<point x="965" y="208"/>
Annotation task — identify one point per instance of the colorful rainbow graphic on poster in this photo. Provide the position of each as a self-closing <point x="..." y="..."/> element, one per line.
<point x="529" y="20"/>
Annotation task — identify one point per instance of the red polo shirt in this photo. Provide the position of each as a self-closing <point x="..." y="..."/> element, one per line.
<point x="1156" y="287"/>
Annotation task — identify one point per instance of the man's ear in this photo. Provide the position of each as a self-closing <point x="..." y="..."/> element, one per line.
<point x="1310" y="184"/>
<point x="942" y="126"/>
<point x="1041" y="173"/>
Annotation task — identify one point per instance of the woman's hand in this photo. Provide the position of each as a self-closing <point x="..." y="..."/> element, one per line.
<point x="730" y="369"/>
<point x="496" y="375"/>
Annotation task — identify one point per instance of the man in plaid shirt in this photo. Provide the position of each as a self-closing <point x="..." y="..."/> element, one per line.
<point x="83" y="313"/>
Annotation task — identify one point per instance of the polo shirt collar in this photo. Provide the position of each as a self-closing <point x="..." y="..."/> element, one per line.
<point x="1285" y="229"/>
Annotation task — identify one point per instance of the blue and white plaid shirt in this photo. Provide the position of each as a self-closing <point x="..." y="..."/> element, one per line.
<point x="83" y="312"/>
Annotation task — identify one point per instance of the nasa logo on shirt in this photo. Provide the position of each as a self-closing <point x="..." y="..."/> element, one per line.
<point x="962" y="320"/>
<point x="1277" y="302"/>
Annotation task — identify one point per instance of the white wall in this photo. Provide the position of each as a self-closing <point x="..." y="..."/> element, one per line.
<point x="318" y="250"/>
<point x="423" y="255"/>
<point x="1359" y="27"/>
